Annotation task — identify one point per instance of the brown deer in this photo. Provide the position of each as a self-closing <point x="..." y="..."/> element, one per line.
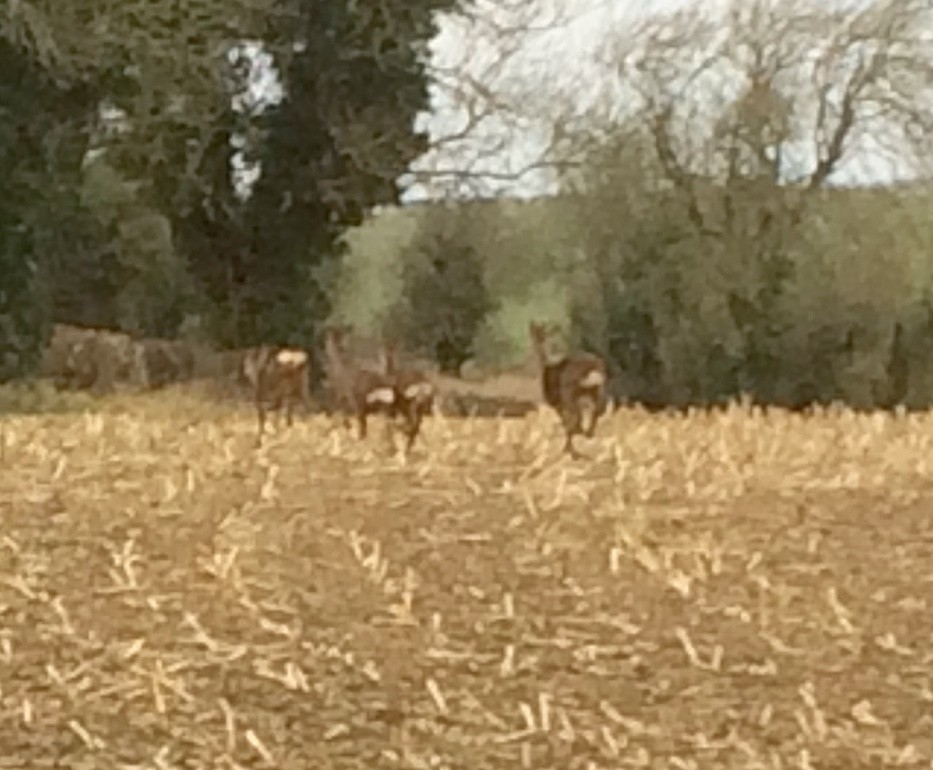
<point x="573" y="385"/>
<point x="414" y="394"/>
<point x="278" y="376"/>
<point x="355" y="390"/>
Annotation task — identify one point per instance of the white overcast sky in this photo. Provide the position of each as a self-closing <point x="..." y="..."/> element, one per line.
<point x="552" y="59"/>
<point x="563" y="35"/>
<point x="547" y="67"/>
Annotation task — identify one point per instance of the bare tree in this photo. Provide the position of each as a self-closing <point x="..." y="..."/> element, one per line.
<point x="775" y="94"/>
<point x="708" y="160"/>
<point x="493" y="68"/>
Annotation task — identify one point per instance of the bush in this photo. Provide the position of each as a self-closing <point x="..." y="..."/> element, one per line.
<point x="444" y="296"/>
<point x="25" y="324"/>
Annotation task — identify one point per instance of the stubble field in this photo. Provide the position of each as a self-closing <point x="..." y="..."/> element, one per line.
<point x="728" y="590"/>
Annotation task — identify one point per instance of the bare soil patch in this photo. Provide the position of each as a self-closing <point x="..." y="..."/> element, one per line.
<point x="739" y="589"/>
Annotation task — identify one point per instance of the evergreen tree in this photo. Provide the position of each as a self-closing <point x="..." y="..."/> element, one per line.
<point x="355" y="79"/>
<point x="35" y="130"/>
<point x="444" y="295"/>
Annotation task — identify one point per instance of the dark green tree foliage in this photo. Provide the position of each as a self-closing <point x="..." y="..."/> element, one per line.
<point x="445" y="298"/>
<point x="24" y="317"/>
<point x="215" y="240"/>
<point x="36" y="133"/>
<point x="355" y="79"/>
<point x="157" y="62"/>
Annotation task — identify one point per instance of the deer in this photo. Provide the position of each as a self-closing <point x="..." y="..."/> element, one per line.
<point x="355" y="390"/>
<point x="278" y="376"/>
<point x="574" y="385"/>
<point x="414" y="394"/>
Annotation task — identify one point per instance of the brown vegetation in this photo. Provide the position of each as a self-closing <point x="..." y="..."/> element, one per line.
<point x="573" y="384"/>
<point x="485" y="393"/>
<point x="99" y="360"/>
<point x="166" y="361"/>
<point x="103" y="360"/>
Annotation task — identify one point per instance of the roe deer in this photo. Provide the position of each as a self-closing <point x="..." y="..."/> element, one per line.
<point x="355" y="390"/>
<point x="572" y="385"/>
<point x="278" y="376"/>
<point x="414" y="394"/>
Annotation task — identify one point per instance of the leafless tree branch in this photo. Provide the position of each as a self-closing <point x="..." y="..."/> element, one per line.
<point x="780" y="92"/>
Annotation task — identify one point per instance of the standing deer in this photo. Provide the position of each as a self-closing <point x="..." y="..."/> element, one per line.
<point x="355" y="390"/>
<point x="278" y="376"/>
<point x="574" y="385"/>
<point x="414" y="394"/>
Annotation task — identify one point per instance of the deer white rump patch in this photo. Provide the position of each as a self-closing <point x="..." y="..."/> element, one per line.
<point x="291" y="357"/>
<point x="419" y="390"/>
<point x="381" y="396"/>
<point x="593" y="379"/>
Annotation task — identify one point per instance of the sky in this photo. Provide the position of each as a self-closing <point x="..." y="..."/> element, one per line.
<point x="540" y="58"/>
<point x="551" y="63"/>
<point x="549" y="35"/>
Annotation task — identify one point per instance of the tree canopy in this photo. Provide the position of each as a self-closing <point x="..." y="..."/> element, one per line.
<point x="130" y="125"/>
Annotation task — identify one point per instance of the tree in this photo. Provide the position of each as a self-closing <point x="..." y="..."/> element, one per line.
<point x="36" y="132"/>
<point x="354" y="79"/>
<point x="162" y="196"/>
<point x="712" y="176"/>
<point x="147" y="74"/>
<point x="444" y="296"/>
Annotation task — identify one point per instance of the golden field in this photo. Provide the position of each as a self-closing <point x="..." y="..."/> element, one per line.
<point x="733" y="589"/>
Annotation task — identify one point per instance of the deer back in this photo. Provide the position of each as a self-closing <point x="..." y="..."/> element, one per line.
<point x="584" y="373"/>
<point x="273" y="371"/>
<point x="412" y="386"/>
<point x="572" y="376"/>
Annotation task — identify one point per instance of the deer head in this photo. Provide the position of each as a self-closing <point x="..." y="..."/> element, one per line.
<point x="388" y="357"/>
<point x="254" y="361"/>
<point x="334" y="339"/>
<point x="539" y="333"/>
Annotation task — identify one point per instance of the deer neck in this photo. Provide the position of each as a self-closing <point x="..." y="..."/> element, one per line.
<point x="541" y="356"/>
<point x="335" y="358"/>
<point x="388" y="361"/>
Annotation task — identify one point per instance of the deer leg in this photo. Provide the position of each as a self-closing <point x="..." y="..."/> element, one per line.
<point x="388" y="429"/>
<point x="269" y="411"/>
<point x="288" y="412"/>
<point x="598" y="407"/>
<point x="569" y="448"/>
<point x="419" y="411"/>
<point x="571" y="419"/>
<point x="588" y="409"/>
<point x="412" y="433"/>
<point x="403" y="415"/>
<point x="600" y="404"/>
<point x="361" y="420"/>
<point x="261" y="412"/>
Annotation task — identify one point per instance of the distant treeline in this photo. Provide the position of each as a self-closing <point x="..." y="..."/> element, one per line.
<point x="837" y="305"/>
